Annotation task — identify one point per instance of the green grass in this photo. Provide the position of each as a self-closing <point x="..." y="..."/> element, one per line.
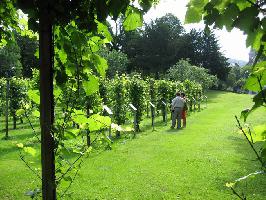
<point x="192" y="163"/>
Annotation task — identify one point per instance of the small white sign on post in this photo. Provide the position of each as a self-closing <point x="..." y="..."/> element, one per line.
<point x="108" y="110"/>
<point x="163" y="103"/>
<point x="152" y="105"/>
<point x="152" y="114"/>
<point x="133" y="107"/>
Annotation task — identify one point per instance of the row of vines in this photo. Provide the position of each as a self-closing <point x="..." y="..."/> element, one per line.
<point x="81" y="122"/>
<point x="20" y="96"/>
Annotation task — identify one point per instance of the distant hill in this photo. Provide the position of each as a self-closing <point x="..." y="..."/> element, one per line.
<point x="241" y="63"/>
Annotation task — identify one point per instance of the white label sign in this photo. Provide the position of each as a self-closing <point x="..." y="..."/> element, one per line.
<point x="133" y="107"/>
<point x="108" y="110"/>
<point x="152" y="104"/>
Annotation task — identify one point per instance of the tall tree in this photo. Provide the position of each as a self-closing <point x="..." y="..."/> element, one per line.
<point x="28" y="47"/>
<point x="156" y="47"/>
<point x="43" y="16"/>
<point x="202" y="49"/>
<point x="117" y="62"/>
<point x="160" y="44"/>
<point x="212" y="58"/>
<point x="10" y="60"/>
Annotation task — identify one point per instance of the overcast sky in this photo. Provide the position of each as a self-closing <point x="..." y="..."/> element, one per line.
<point x="232" y="43"/>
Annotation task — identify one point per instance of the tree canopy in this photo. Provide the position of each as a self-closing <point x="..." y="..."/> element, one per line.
<point x="10" y="60"/>
<point x="161" y="43"/>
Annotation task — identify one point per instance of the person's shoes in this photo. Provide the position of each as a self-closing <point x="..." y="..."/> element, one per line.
<point x="172" y="127"/>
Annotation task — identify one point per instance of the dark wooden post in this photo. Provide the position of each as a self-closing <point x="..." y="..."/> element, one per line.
<point x="152" y="114"/>
<point x="88" y="131"/>
<point x="136" y="126"/>
<point x="7" y="105"/>
<point x="164" y="112"/>
<point x="46" y="101"/>
<point x="107" y="111"/>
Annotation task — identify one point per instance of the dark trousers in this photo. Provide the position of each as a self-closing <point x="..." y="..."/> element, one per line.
<point x="176" y="115"/>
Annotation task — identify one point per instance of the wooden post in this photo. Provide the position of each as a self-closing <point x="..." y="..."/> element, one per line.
<point x="46" y="101"/>
<point x="88" y="131"/>
<point x="7" y="105"/>
<point x="135" y="121"/>
<point x="110" y="113"/>
<point x="152" y="114"/>
<point x="134" y="109"/>
<point x="164" y="112"/>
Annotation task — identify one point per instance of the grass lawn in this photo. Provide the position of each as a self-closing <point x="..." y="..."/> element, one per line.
<point x="192" y="163"/>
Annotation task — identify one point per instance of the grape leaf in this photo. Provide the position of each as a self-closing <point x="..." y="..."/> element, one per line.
<point x="91" y="86"/>
<point x="133" y="19"/>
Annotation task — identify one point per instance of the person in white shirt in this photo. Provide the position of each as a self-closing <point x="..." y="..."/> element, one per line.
<point x="177" y="107"/>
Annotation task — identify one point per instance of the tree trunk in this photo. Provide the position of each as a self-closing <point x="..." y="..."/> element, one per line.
<point x="46" y="102"/>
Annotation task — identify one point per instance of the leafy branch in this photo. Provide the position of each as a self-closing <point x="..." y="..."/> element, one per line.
<point x="27" y="164"/>
<point x="250" y="143"/>
<point x="258" y="5"/>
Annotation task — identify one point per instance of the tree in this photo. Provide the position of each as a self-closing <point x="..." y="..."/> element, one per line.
<point x="43" y="16"/>
<point x="183" y="70"/>
<point x="117" y="62"/>
<point x="10" y="60"/>
<point x="28" y="47"/>
<point x="237" y="77"/>
<point x="203" y="50"/>
<point x="155" y="48"/>
<point x="16" y="95"/>
<point x="162" y="42"/>
<point x="212" y="58"/>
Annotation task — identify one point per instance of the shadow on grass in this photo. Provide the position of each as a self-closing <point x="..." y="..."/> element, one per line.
<point x="213" y="95"/>
<point x="252" y="187"/>
<point x="5" y="151"/>
<point x="16" y="135"/>
<point x="175" y="130"/>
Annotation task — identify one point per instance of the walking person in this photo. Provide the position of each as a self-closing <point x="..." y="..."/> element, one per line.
<point x="177" y="106"/>
<point x="184" y="111"/>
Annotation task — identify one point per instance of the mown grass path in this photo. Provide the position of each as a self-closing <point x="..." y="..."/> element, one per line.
<point x="193" y="163"/>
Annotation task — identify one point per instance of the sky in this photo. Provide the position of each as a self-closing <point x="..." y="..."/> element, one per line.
<point x="232" y="43"/>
